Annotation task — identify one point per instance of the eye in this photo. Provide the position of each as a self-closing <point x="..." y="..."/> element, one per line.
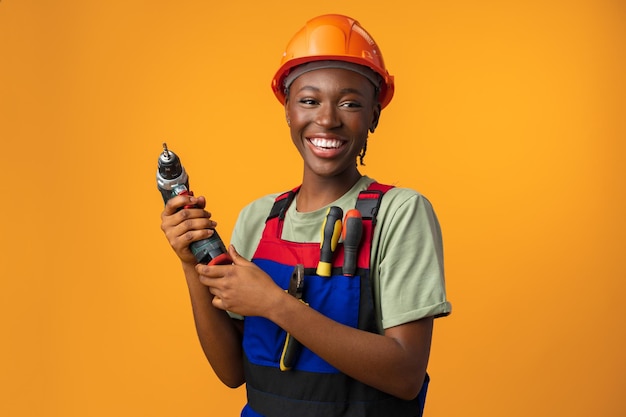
<point x="308" y="101"/>
<point x="351" y="105"/>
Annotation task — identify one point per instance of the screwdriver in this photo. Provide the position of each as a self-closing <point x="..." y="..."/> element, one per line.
<point x="351" y="235"/>
<point x="331" y="231"/>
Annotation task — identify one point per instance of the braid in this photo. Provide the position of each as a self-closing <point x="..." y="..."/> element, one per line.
<point x="362" y="154"/>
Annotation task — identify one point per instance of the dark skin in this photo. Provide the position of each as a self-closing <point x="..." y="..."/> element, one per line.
<point x="330" y="112"/>
<point x="342" y="120"/>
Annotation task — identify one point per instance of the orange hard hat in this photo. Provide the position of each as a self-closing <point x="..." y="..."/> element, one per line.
<point x="333" y="37"/>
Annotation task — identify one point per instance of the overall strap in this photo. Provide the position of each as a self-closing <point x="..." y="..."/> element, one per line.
<point x="369" y="200"/>
<point x="274" y="221"/>
<point x="281" y="203"/>
<point x="368" y="204"/>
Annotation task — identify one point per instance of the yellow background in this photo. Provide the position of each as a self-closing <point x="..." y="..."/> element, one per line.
<point x="509" y="116"/>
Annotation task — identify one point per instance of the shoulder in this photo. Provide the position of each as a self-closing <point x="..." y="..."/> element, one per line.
<point x="405" y="211"/>
<point x="255" y="213"/>
<point x="399" y="199"/>
<point x="260" y="206"/>
<point x="250" y="223"/>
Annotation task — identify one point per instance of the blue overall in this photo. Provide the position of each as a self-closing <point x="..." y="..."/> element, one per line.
<point x="313" y="387"/>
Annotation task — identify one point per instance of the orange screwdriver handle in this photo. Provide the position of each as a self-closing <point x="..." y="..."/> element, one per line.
<point x="351" y="236"/>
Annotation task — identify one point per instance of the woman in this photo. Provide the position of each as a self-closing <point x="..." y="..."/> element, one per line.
<point x="361" y="333"/>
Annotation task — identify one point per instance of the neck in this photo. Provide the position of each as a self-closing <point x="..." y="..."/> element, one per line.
<point x="317" y="192"/>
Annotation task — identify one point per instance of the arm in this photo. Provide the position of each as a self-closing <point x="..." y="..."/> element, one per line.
<point x="219" y="335"/>
<point x="396" y="361"/>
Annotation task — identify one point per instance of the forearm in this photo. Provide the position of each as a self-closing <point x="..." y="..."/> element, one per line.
<point x="219" y="335"/>
<point x="386" y="362"/>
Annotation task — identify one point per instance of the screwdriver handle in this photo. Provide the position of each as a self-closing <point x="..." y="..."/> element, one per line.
<point x="351" y="235"/>
<point x="331" y="232"/>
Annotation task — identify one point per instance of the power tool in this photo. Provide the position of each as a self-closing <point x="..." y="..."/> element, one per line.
<point x="172" y="180"/>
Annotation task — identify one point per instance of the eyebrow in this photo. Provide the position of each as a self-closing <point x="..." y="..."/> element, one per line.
<point x="342" y="91"/>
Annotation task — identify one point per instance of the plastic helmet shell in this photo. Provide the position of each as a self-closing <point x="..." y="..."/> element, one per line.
<point x="333" y="37"/>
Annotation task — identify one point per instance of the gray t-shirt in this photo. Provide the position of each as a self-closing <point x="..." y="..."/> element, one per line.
<point x="406" y="264"/>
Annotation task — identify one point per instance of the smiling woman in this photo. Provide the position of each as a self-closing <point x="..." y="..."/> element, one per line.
<point x="308" y="332"/>
<point x="330" y="112"/>
<point x="509" y="115"/>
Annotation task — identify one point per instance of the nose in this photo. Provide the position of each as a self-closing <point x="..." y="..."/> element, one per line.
<point x="328" y="116"/>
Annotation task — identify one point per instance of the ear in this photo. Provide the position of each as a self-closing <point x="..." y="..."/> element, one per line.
<point x="287" y="115"/>
<point x="375" y="118"/>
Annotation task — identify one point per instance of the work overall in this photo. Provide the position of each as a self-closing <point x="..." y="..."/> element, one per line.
<point x="314" y="388"/>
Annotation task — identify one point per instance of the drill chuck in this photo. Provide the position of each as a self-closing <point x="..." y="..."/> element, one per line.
<point x="171" y="175"/>
<point x="172" y="180"/>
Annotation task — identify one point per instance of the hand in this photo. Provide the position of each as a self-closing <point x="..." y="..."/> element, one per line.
<point x="184" y="226"/>
<point x="242" y="288"/>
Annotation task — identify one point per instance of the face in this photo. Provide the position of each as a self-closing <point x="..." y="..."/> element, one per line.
<point x="330" y="112"/>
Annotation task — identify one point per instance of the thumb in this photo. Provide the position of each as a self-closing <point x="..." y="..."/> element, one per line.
<point x="237" y="259"/>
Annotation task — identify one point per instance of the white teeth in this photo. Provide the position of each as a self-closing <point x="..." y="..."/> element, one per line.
<point x="326" y="143"/>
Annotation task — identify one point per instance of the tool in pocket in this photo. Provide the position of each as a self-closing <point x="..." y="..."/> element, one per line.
<point x="292" y="346"/>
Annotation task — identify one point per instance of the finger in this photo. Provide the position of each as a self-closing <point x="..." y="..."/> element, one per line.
<point x="237" y="259"/>
<point x="218" y="303"/>
<point x="210" y="274"/>
<point x="176" y="203"/>
<point x="209" y="283"/>
<point x="184" y="201"/>
<point x="192" y="219"/>
<point x="188" y="226"/>
<point x="200" y="202"/>
<point x="191" y="236"/>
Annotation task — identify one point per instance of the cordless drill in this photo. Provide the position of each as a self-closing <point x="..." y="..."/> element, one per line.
<point x="172" y="180"/>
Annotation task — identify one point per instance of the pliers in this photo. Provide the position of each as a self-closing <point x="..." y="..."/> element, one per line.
<point x="292" y="346"/>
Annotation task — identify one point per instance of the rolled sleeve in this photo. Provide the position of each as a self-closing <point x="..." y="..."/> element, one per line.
<point x="411" y="281"/>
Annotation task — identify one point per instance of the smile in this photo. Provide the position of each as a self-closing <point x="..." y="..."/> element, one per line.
<point x="326" y="143"/>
